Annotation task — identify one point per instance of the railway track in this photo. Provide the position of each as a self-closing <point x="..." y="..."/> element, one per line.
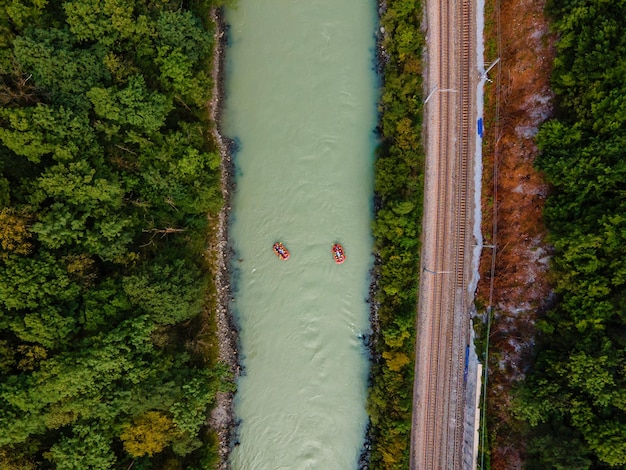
<point x="436" y="441"/>
<point x="463" y="221"/>
<point x="435" y="406"/>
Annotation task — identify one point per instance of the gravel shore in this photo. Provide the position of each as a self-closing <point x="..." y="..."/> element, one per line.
<point x="222" y="416"/>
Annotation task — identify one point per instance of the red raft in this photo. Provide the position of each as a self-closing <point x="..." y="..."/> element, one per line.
<point x="281" y="251"/>
<point x="338" y="254"/>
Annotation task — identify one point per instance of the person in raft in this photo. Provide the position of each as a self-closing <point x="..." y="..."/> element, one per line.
<point x="281" y="251"/>
<point x="338" y="253"/>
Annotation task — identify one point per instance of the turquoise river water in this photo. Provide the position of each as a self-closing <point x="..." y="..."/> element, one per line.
<point x="301" y="96"/>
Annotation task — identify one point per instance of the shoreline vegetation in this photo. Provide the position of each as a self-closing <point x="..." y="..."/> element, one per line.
<point x="398" y="201"/>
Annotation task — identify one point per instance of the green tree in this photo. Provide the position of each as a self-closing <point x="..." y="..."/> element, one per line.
<point x="29" y="283"/>
<point x="66" y="71"/>
<point x="24" y="14"/>
<point x="43" y="130"/>
<point x="182" y="30"/>
<point x="134" y="105"/>
<point x="105" y="21"/>
<point x="85" y="448"/>
<point x="168" y="291"/>
<point x="85" y="212"/>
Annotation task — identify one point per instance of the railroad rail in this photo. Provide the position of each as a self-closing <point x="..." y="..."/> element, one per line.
<point x="442" y="335"/>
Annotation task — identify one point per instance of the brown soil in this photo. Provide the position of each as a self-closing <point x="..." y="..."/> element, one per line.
<point x="520" y="93"/>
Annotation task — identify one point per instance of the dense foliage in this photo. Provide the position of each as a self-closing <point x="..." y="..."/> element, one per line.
<point x="396" y="230"/>
<point x="575" y="399"/>
<point x="107" y="175"/>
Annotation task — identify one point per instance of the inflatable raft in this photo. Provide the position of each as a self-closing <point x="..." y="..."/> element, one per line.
<point x="281" y="251"/>
<point x="338" y="254"/>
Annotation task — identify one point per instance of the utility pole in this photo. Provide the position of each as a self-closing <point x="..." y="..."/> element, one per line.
<point x="444" y="90"/>
<point x="493" y="64"/>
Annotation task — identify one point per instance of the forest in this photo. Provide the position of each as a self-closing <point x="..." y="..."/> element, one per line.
<point x="107" y="174"/>
<point x="396" y="229"/>
<point x="573" y="402"/>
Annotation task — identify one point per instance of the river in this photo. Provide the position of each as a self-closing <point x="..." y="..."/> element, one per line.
<point x="301" y="95"/>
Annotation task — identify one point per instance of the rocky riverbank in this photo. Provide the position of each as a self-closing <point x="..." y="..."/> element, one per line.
<point x="222" y="416"/>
